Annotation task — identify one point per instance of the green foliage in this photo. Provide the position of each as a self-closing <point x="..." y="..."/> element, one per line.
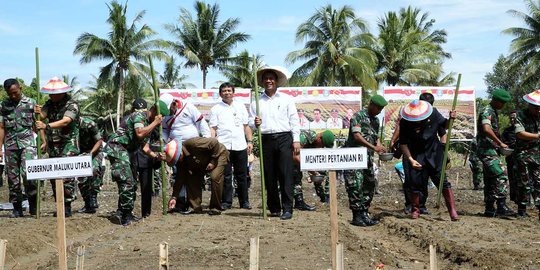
<point x="239" y="69"/>
<point x="171" y="77"/>
<point x="202" y="40"/>
<point x="337" y="51"/>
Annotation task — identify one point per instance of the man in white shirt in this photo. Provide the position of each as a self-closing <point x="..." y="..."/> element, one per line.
<point x="317" y="123"/>
<point x="334" y="121"/>
<point x="280" y="129"/>
<point x="229" y="124"/>
<point x="304" y="122"/>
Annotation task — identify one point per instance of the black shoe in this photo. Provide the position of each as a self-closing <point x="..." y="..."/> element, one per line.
<point x="126" y="219"/>
<point x="67" y="210"/>
<point x="245" y="206"/>
<point x="522" y="211"/>
<point x="325" y="199"/>
<point x="226" y="206"/>
<point x="357" y="219"/>
<point x="367" y="220"/>
<point x="17" y="210"/>
<point x="490" y="210"/>
<point x="503" y="209"/>
<point x="303" y="206"/>
<point x="476" y="187"/>
<point x="274" y="214"/>
<point x="286" y="215"/>
<point x="424" y="210"/>
<point x="214" y="212"/>
<point x="32" y="205"/>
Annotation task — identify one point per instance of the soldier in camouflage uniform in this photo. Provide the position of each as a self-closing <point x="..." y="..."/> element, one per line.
<point x="509" y="137"/>
<point x="527" y="153"/>
<point x="489" y="140"/>
<point x="90" y="143"/>
<point x="133" y="133"/>
<point x="311" y="139"/>
<point x="16" y="122"/>
<point x="476" y="165"/>
<point x="62" y="130"/>
<point x="360" y="184"/>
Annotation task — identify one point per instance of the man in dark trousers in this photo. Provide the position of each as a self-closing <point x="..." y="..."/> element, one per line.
<point x="280" y="131"/>
<point x="199" y="156"/>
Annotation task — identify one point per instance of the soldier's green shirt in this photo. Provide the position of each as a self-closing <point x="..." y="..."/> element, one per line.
<point x="125" y="135"/>
<point x="63" y="141"/>
<point x="307" y="137"/>
<point x="486" y="146"/>
<point x="18" y="119"/>
<point x="367" y="126"/>
<point x="89" y="134"/>
<point x="526" y="122"/>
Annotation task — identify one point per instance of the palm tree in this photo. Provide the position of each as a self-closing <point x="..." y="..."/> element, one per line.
<point x="525" y="47"/>
<point x="239" y="69"/>
<point x="409" y="51"/>
<point x="100" y="101"/>
<point x="202" y="40"/>
<point x="336" y="52"/>
<point x="124" y="46"/>
<point x="171" y="77"/>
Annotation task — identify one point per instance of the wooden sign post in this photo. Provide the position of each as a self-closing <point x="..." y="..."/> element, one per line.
<point x="321" y="159"/>
<point x="59" y="169"/>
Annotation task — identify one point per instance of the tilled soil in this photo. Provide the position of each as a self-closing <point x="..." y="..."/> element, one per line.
<point x="222" y="242"/>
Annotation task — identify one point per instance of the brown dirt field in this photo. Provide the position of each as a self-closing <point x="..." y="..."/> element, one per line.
<point x="222" y="242"/>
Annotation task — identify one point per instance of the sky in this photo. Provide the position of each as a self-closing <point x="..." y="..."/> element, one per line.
<point x="474" y="32"/>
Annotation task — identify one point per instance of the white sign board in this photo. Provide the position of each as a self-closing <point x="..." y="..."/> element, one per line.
<point x="322" y="159"/>
<point x="57" y="168"/>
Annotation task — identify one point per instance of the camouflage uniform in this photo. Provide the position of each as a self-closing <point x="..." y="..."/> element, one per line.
<point x="509" y="138"/>
<point x="63" y="142"/>
<point x="476" y="165"/>
<point x="320" y="188"/>
<point x="89" y="135"/>
<point x="527" y="160"/>
<point x="121" y="145"/>
<point x="495" y="179"/>
<point x="360" y="184"/>
<point x="19" y="144"/>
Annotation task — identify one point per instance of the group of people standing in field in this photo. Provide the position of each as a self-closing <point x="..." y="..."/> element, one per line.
<point x="220" y="149"/>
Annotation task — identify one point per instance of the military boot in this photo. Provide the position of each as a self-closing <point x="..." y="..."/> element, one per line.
<point x="92" y="204"/>
<point x="522" y="211"/>
<point x="301" y="205"/>
<point x="357" y="219"/>
<point x="86" y="205"/>
<point x="32" y="205"/>
<point x="17" y="210"/>
<point x="367" y="220"/>
<point x="503" y="209"/>
<point x="490" y="209"/>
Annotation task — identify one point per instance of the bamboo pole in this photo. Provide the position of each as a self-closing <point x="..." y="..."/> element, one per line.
<point x="255" y="90"/>
<point x="38" y="140"/>
<point x="447" y="145"/>
<point x="163" y="174"/>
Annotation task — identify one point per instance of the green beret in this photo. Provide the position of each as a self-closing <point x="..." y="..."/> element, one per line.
<point x="163" y="110"/>
<point x="379" y="100"/>
<point x="501" y="95"/>
<point x="328" y="139"/>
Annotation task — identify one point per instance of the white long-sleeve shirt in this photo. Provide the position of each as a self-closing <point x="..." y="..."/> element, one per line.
<point x="230" y="121"/>
<point x="188" y="122"/>
<point x="278" y="114"/>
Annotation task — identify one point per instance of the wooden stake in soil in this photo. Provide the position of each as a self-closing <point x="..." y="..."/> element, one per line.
<point x="333" y="218"/>
<point x="254" y="253"/>
<point x="340" y="257"/>
<point x="164" y="256"/>
<point x="3" y="247"/>
<point x="432" y="258"/>
<point x="80" y="258"/>
<point x="61" y="225"/>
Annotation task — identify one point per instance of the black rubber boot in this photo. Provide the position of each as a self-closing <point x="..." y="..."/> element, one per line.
<point x="92" y="205"/>
<point x="32" y="205"/>
<point x="357" y="219"/>
<point x="490" y="209"/>
<point x="368" y="221"/>
<point x="503" y="209"/>
<point x="301" y="205"/>
<point x="17" y="210"/>
<point x="86" y="203"/>
<point x="522" y="211"/>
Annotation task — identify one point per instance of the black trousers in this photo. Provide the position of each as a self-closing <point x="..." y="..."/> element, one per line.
<point x="237" y="166"/>
<point x="416" y="181"/>
<point x="278" y="171"/>
<point x="145" y="181"/>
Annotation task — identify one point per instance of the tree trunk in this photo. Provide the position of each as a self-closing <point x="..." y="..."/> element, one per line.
<point x="204" y="72"/>
<point x="120" y="103"/>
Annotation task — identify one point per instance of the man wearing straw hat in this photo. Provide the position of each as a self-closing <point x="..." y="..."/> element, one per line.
<point x="280" y="130"/>
<point x="360" y="184"/>
<point x="489" y="142"/>
<point x="423" y="153"/>
<point x="16" y="123"/>
<point x="133" y="133"/>
<point x="62" y="130"/>
<point x="528" y="153"/>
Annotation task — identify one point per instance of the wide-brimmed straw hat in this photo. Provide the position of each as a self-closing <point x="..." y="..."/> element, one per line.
<point x="416" y="110"/>
<point x="55" y="86"/>
<point x="281" y="73"/>
<point x="533" y="98"/>
<point x="173" y="151"/>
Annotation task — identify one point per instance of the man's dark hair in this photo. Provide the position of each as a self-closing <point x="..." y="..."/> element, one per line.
<point x="427" y="97"/>
<point x="317" y="110"/>
<point x="225" y="85"/>
<point x="10" y="82"/>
